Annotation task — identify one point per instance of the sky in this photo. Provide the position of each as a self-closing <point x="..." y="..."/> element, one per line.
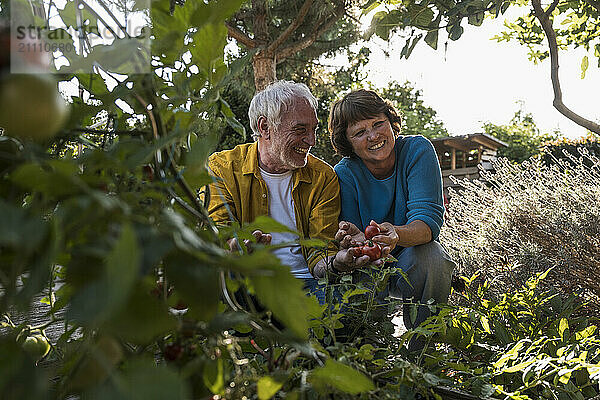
<point x="480" y="80"/>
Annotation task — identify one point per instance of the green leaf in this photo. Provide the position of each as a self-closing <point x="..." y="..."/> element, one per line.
<point x="19" y="230"/>
<point x="377" y="27"/>
<point x="432" y="39"/>
<point x="584" y="66"/>
<point x="413" y="310"/>
<point x="142" y="318"/>
<point x="99" y="299"/>
<point x="585" y="333"/>
<point x="564" y="375"/>
<point x="562" y="327"/>
<point x="276" y="284"/>
<point x="207" y="47"/>
<point x="214" y="12"/>
<point x="196" y="282"/>
<point x="455" y="31"/>
<point x="212" y="376"/>
<point x="485" y="323"/>
<point x="267" y="386"/>
<point x="58" y="178"/>
<point x="366" y="352"/>
<point x="142" y="379"/>
<point x="476" y="19"/>
<point x="370" y="6"/>
<point x="518" y="367"/>
<point x="312" y="242"/>
<point x="341" y="377"/>
<point x="420" y="15"/>
<point x="267" y="224"/>
<point x="353" y="292"/>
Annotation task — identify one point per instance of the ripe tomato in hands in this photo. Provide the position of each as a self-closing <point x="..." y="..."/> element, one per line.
<point x="373" y="250"/>
<point x="371" y="231"/>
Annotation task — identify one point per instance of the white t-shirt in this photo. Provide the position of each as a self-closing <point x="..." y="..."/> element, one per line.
<point x="281" y="209"/>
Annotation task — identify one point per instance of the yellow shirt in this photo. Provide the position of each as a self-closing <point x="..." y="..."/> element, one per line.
<point x="315" y="191"/>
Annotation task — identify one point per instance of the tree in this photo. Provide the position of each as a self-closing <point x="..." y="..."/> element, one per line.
<point x="277" y="31"/>
<point x="580" y="19"/>
<point x="522" y="135"/>
<point x="417" y="118"/>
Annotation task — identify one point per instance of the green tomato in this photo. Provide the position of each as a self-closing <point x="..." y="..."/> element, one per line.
<point x="31" y="107"/>
<point x="36" y="346"/>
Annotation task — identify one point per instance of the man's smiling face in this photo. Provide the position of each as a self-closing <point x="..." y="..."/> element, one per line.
<point x="289" y="142"/>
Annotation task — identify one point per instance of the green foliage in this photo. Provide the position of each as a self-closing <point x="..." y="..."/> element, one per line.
<point x="523" y="137"/>
<point x="417" y="118"/>
<point x="557" y="148"/>
<point x="576" y="24"/>
<point x="526" y="344"/>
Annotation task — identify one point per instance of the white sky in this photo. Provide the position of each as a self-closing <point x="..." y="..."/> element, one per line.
<point x="480" y="80"/>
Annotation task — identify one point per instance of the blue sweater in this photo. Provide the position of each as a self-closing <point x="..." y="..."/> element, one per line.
<point x="413" y="192"/>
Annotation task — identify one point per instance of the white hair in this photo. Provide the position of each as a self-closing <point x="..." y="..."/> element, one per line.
<point x="270" y="101"/>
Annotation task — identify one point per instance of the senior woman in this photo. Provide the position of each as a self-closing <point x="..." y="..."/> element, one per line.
<point x="395" y="183"/>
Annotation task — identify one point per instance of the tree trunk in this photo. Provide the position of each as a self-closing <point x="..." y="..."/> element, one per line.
<point x="264" y="70"/>
<point x="263" y="62"/>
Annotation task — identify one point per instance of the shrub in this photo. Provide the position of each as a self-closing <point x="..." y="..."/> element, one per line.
<point x="526" y="344"/>
<point x="557" y="148"/>
<point x="528" y="217"/>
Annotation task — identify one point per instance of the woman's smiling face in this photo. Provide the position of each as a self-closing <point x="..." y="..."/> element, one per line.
<point x="373" y="141"/>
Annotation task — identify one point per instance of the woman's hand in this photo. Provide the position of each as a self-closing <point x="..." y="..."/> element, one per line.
<point x="387" y="237"/>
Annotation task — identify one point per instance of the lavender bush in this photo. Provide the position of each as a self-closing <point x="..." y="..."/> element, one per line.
<point x="528" y="217"/>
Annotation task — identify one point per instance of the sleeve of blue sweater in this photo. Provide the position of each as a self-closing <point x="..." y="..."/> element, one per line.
<point x="348" y="196"/>
<point x="424" y="182"/>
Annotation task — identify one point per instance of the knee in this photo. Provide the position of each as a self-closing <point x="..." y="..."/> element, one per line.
<point x="431" y="257"/>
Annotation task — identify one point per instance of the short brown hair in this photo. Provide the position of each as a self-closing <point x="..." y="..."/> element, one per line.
<point x="356" y="106"/>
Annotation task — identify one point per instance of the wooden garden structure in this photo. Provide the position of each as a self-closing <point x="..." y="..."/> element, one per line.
<point x="461" y="155"/>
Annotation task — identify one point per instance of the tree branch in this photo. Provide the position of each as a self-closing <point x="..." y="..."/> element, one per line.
<point x="546" y="22"/>
<point x="293" y="26"/>
<point x="310" y="39"/>
<point x="235" y="33"/>
<point x="551" y="8"/>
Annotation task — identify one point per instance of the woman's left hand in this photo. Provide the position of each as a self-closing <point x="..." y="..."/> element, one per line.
<point x="387" y="236"/>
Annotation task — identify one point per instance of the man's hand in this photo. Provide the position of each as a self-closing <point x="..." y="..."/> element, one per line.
<point x="348" y="235"/>
<point x="261" y="238"/>
<point x="345" y="260"/>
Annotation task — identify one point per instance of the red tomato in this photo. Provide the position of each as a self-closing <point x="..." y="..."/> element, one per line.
<point x="358" y="251"/>
<point x="372" y="250"/>
<point x="371" y="231"/>
<point x="172" y="352"/>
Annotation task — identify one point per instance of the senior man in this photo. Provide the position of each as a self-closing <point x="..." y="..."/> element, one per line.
<point x="277" y="176"/>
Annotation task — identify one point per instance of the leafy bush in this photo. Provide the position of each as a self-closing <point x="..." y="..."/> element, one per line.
<point x="556" y="149"/>
<point x="526" y="344"/>
<point x="522" y="136"/>
<point x="528" y="217"/>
